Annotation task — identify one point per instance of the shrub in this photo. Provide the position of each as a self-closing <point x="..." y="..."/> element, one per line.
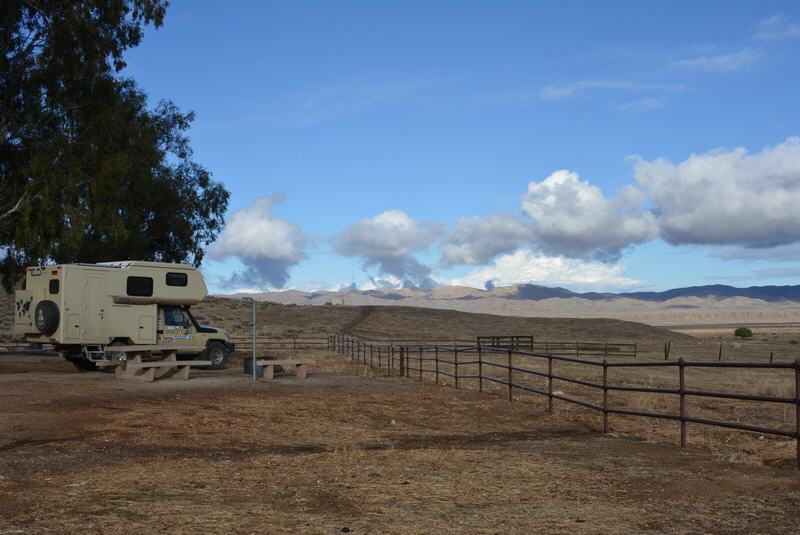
<point x="743" y="332"/>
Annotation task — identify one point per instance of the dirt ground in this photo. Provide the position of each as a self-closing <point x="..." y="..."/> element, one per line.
<point x="347" y="452"/>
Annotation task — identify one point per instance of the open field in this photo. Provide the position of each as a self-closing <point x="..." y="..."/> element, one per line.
<point x="387" y="323"/>
<point x="346" y="451"/>
<point x="351" y="450"/>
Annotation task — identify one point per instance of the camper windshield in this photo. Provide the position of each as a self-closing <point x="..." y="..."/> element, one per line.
<point x="175" y="317"/>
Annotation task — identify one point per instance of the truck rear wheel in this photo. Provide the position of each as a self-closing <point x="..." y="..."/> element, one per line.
<point x="217" y="353"/>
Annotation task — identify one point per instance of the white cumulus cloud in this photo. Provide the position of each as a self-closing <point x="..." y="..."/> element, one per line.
<point x="388" y="241"/>
<point x="727" y="197"/>
<point x="267" y="245"/>
<point x="527" y="267"/>
<point x="574" y="218"/>
<point x="477" y="240"/>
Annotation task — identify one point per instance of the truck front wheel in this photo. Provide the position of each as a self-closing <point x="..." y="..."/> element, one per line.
<point x="217" y="353"/>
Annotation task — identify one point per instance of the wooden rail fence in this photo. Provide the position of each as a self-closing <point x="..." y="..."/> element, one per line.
<point x="423" y="360"/>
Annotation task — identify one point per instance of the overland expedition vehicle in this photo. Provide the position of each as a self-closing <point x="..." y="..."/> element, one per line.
<point x="84" y="310"/>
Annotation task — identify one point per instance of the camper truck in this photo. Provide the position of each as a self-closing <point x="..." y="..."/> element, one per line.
<point x="84" y="310"/>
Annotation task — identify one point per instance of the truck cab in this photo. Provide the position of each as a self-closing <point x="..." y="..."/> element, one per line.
<point x="180" y="328"/>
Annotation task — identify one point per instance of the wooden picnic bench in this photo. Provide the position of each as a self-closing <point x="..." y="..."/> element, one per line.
<point x="268" y="366"/>
<point x="167" y="367"/>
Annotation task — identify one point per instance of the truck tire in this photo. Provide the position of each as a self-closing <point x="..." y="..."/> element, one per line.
<point x="217" y="353"/>
<point x="46" y="317"/>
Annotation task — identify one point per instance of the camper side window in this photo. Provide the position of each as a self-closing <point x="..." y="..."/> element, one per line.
<point x="53" y="287"/>
<point x="140" y="286"/>
<point x="175" y="317"/>
<point x="177" y="279"/>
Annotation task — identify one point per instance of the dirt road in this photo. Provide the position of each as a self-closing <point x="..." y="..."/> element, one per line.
<point x="344" y="452"/>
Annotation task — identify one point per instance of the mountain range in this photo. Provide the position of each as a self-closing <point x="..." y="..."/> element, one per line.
<point x="533" y="292"/>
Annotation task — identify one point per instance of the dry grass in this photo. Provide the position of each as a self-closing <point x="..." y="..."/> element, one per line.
<point x="344" y="451"/>
<point x="386" y="322"/>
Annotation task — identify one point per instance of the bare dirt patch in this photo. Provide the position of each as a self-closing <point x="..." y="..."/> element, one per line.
<point x="346" y="451"/>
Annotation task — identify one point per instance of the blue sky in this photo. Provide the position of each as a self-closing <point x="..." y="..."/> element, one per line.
<point x="355" y="137"/>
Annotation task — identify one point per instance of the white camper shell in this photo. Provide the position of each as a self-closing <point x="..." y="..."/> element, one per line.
<point x="83" y="309"/>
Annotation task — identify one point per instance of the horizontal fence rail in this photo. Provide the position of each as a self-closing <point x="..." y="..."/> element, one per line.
<point x="459" y="362"/>
<point x="294" y="344"/>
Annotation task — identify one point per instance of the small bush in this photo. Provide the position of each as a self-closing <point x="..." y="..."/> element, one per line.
<point x="743" y="332"/>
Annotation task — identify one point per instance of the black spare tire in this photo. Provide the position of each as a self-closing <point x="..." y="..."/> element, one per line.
<point x="46" y="317"/>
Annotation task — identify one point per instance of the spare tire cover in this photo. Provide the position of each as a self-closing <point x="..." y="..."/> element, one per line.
<point x="46" y="317"/>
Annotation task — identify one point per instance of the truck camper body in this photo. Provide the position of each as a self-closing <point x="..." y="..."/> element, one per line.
<point x="86" y="309"/>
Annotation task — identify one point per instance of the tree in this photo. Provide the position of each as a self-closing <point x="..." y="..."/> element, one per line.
<point x="88" y="172"/>
<point x="743" y="332"/>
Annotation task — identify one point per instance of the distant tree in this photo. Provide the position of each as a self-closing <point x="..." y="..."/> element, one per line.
<point x="743" y="332"/>
<point x="87" y="171"/>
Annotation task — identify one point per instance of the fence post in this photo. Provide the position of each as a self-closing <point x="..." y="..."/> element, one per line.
<point x="719" y="358"/>
<point x="420" y="363"/>
<point x="436" y="360"/>
<point x="390" y="362"/>
<point x="605" y="350"/>
<point x="605" y="397"/>
<point x="577" y="349"/>
<point x="770" y="357"/>
<point x="682" y="390"/>
<point x="635" y="349"/>
<point x="797" y="406"/>
<point x="294" y="346"/>
<point x="510" y="377"/>
<point x="371" y="355"/>
<point x="480" y="368"/>
<point x="455" y="360"/>
<point x="550" y="383"/>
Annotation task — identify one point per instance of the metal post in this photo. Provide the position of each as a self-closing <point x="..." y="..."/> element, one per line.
<point x="436" y="360"/>
<point x="550" y="383"/>
<point x="605" y="350"/>
<point x="455" y="359"/>
<point x="391" y="359"/>
<point x="605" y="397"/>
<point x="682" y="390"/>
<point x="510" y="377"/>
<point x="480" y="369"/>
<point x="635" y="349"/>
<point x="420" y="363"/>
<point x="797" y="406"/>
<point x="770" y="357"/>
<point x="719" y="358"/>
<point x="371" y="356"/>
<point x="254" y="335"/>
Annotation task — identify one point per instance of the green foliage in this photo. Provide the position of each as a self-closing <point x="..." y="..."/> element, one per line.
<point x="87" y="172"/>
<point x="743" y="332"/>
